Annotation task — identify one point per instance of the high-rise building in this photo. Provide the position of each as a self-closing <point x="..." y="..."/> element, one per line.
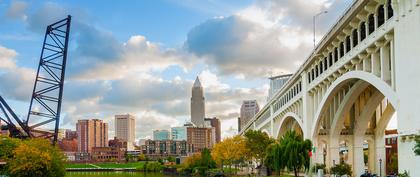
<point x="125" y="129"/>
<point x="276" y="83"/>
<point x="200" y="138"/>
<point x="91" y="133"/>
<point x="248" y="110"/>
<point x="197" y="104"/>
<point x="179" y="133"/>
<point x="161" y="135"/>
<point x="215" y="123"/>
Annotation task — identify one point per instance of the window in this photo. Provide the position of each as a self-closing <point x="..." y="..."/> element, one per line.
<point x="335" y="55"/>
<point x="381" y="15"/>
<point x="341" y="49"/>
<point x="348" y="44"/>
<point x="390" y="9"/>
<point x="362" y="31"/>
<point x="355" y="38"/>
<point x="325" y="63"/>
<point x="371" y="20"/>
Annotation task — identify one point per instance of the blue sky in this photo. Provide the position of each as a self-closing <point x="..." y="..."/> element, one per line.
<point x="141" y="57"/>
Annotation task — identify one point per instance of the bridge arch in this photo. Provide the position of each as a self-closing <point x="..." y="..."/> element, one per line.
<point x="287" y="117"/>
<point x="373" y="80"/>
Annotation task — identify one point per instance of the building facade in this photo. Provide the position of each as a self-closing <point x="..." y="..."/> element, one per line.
<point x="91" y="133"/>
<point x="248" y="110"/>
<point x="200" y="138"/>
<point x="179" y="133"/>
<point x="108" y="154"/>
<point x="215" y="123"/>
<point x="161" y="135"/>
<point x="70" y="134"/>
<point x="125" y="129"/>
<point x="155" y="149"/>
<point x="197" y="104"/>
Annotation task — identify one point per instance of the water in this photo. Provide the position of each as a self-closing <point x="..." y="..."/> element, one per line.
<point x="113" y="174"/>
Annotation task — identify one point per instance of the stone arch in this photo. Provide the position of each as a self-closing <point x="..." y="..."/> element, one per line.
<point x="287" y="116"/>
<point x="373" y="80"/>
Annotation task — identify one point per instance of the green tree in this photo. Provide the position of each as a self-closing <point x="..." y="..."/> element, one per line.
<point x="206" y="159"/>
<point x="295" y="152"/>
<point x="341" y="169"/>
<point x="170" y="159"/>
<point x="417" y="146"/>
<point x="273" y="157"/>
<point x="33" y="157"/>
<point x="257" y="143"/>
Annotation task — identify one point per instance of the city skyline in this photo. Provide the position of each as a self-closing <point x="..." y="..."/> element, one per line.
<point x="147" y="71"/>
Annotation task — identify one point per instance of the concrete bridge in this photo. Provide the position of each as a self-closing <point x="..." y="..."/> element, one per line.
<point x="365" y="70"/>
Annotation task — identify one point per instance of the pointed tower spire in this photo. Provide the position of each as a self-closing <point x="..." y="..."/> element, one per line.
<point x="197" y="82"/>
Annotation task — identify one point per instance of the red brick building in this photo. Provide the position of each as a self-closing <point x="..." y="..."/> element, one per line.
<point x="391" y="144"/>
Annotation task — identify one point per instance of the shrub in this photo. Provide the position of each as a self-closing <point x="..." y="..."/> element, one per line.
<point x="341" y="169"/>
<point x="318" y="166"/>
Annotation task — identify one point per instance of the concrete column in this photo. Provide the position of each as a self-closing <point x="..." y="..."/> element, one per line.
<point x="372" y="156"/>
<point x="358" y="160"/>
<point x="367" y="64"/>
<point x="334" y="151"/>
<point x="385" y="64"/>
<point x="307" y="108"/>
<point x="376" y="64"/>
<point x="407" y="52"/>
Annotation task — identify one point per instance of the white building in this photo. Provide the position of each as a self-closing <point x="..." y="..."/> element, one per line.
<point x="125" y="129"/>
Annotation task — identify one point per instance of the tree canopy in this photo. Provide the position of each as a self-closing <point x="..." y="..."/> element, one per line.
<point x="417" y="146"/>
<point x="32" y="157"/>
<point x="291" y="152"/>
<point x="230" y="150"/>
<point x="257" y="143"/>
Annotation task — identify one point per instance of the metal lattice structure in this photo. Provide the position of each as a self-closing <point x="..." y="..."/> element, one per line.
<point x="45" y="106"/>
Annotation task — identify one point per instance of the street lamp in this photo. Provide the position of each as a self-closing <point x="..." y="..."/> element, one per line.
<point x="380" y="167"/>
<point x="314" y="19"/>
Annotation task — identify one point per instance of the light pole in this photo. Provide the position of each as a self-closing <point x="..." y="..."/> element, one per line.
<point x="313" y="22"/>
<point x="380" y="167"/>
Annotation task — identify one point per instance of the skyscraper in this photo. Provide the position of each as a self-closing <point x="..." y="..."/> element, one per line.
<point x="197" y="104"/>
<point x="125" y="129"/>
<point x="91" y="133"/>
<point x="248" y="110"/>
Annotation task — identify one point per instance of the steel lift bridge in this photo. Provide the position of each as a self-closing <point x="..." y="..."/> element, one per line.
<point x="43" y="116"/>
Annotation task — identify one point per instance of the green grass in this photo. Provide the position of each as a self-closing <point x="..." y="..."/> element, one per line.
<point x="107" y="165"/>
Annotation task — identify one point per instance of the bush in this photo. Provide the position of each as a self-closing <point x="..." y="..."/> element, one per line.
<point x="341" y="169"/>
<point x="405" y="174"/>
<point x="318" y="166"/>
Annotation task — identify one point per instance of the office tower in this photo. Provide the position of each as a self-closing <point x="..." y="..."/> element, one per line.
<point x="91" y="133"/>
<point x="125" y="129"/>
<point x="248" y="110"/>
<point x="200" y="137"/>
<point x="197" y="104"/>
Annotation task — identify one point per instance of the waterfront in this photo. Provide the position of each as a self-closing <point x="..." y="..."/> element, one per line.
<point x="114" y="174"/>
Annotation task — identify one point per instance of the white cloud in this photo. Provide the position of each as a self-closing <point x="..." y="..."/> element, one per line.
<point x="7" y="56"/>
<point x="17" y="10"/>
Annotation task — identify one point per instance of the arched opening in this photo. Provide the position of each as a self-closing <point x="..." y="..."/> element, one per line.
<point x="348" y="44"/>
<point x="362" y="31"/>
<point x="335" y="54"/>
<point x="381" y="15"/>
<point x="354" y="117"/>
<point x="355" y="38"/>
<point x="371" y="23"/>
<point x="290" y="122"/>
<point x="390" y="9"/>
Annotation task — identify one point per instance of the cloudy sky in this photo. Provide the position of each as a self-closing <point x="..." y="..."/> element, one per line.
<point x="141" y="57"/>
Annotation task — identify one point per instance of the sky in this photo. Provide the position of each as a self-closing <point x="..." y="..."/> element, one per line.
<point x="141" y="57"/>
